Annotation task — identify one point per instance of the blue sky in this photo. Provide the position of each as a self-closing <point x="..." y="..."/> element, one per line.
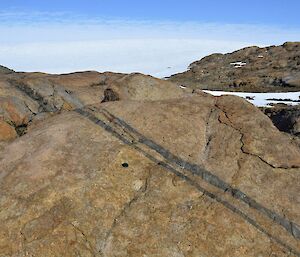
<point x="267" y="12"/>
<point x="153" y="37"/>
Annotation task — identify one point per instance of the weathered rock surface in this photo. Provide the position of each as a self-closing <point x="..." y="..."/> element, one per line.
<point x="26" y="97"/>
<point x="129" y="165"/>
<point x="252" y="69"/>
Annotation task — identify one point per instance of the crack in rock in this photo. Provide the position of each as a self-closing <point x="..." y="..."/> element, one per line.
<point x="243" y="143"/>
<point x="89" y="247"/>
<point x="142" y="191"/>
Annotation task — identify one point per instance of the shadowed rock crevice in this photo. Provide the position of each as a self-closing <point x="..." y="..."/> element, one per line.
<point x="286" y="119"/>
<point x="21" y="130"/>
<point x="110" y="96"/>
<point x="208" y="134"/>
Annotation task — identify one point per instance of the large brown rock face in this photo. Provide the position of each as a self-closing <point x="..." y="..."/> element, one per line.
<point x="252" y="69"/>
<point x="128" y="165"/>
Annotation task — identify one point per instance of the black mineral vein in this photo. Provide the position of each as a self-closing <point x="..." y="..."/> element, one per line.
<point x="212" y="179"/>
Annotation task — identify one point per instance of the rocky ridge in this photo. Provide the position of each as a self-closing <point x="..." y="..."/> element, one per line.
<point x="26" y="98"/>
<point x="252" y="69"/>
<point x="5" y="70"/>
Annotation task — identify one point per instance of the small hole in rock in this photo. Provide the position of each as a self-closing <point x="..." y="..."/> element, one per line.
<point x="125" y="165"/>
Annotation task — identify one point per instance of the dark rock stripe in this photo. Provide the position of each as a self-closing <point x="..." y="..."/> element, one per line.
<point x="44" y="105"/>
<point x="214" y="180"/>
<point x="207" y="176"/>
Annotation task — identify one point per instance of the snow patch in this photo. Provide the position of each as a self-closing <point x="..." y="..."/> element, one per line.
<point x="262" y="99"/>
<point x="238" y="64"/>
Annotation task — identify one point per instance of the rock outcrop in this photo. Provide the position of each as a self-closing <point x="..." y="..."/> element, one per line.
<point x="252" y="69"/>
<point x="29" y="97"/>
<point x="285" y="118"/>
<point x="129" y="165"/>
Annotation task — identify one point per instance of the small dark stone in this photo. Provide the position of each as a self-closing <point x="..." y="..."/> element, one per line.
<point x="125" y="165"/>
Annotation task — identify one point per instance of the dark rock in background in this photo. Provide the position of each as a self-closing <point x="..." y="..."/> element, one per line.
<point x="286" y="118"/>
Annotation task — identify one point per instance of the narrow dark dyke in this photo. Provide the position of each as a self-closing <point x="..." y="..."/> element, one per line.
<point x="103" y="125"/>
<point x="212" y="179"/>
<point x="43" y="103"/>
<point x="169" y="168"/>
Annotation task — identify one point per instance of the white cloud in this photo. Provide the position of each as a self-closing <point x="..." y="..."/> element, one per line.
<point x="67" y="44"/>
<point x="159" y="57"/>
